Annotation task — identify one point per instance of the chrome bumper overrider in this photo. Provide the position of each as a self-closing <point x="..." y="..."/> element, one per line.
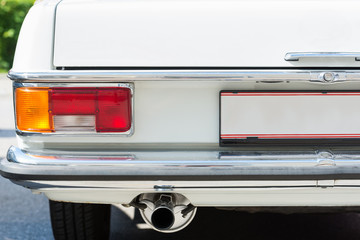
<point x="207" y="178"/>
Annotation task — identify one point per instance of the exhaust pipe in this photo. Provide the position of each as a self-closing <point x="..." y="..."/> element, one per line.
<point x="163" y="218"/>
<point x="166" y="213"/>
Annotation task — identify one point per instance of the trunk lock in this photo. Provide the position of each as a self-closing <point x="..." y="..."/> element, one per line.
<point x="328" y="77"/>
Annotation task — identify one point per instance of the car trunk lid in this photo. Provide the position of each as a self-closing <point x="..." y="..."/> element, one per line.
<point x="200" y="33"/>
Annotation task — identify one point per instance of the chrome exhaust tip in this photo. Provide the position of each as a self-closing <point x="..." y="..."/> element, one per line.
<point x="166" y="213"/>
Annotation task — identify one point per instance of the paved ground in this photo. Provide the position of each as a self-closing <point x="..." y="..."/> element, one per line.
<point x="26" y="216"/>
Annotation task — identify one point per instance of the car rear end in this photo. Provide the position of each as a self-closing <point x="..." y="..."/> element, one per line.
<point x="171" y="105"/>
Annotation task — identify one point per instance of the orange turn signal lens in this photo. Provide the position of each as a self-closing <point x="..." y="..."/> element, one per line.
<point x="32" y="109"/>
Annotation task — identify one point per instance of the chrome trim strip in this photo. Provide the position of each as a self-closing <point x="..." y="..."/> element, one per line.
<point x="116" y="76"/>
<point x="295" y="56"/>
<point x="128" y="133"/>
<point x="161" y="75"/>
<point x="171" y="185"/>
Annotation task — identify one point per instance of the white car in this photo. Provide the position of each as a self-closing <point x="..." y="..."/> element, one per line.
<point x="167" y="106"/>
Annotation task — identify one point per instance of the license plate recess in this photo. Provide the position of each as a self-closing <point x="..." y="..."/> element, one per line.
<point x="289" y="117"/>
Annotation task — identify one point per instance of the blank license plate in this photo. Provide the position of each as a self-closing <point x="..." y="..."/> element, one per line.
<point x="280" y="117"/>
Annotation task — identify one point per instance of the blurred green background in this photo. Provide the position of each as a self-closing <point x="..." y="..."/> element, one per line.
<point x="12" y="14"/>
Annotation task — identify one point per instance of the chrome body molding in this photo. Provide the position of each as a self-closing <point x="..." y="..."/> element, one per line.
<point x="321" y="178"/>
<point x="295" y="56"/>
<point x="114" y="76"/>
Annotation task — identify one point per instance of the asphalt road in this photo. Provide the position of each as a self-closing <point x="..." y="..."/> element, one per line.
<point x="24" y="215"/>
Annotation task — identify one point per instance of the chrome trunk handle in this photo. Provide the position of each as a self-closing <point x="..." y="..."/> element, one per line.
<point x="295" y="56"/>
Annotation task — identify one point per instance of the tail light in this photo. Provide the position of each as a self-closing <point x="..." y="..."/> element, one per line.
<point x="86" y="109"/>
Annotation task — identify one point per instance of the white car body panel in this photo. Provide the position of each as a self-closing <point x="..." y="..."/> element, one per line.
<point x="34" y="50"/>
<point x="214" y="33"/>
<point x="222" y="197"/>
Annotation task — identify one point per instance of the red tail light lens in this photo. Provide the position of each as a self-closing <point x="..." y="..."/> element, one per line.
<point x="102" y="109"/>
<point x="74" y="101"/>
<point x="113" y="112"/>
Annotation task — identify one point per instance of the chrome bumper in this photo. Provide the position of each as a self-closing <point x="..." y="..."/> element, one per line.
<point x="182" y="165"/>
<point x="206" y="178"/>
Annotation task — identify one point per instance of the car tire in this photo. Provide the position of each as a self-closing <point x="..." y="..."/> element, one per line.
<point x="80" y="220"/>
